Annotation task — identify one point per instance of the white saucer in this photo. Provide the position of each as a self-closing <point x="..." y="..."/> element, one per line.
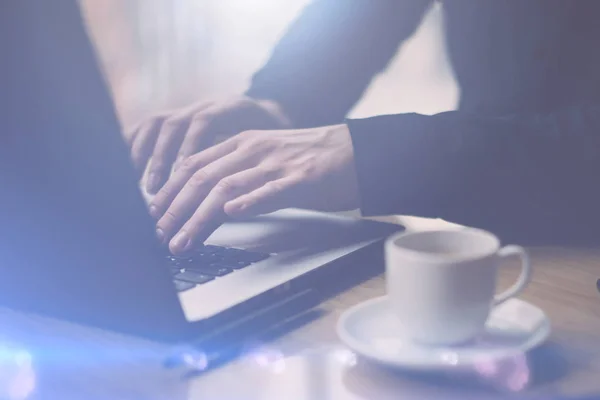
<point x="370" y="328"/>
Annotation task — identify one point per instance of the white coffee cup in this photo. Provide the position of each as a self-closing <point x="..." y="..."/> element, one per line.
<point x="441" y="284"/>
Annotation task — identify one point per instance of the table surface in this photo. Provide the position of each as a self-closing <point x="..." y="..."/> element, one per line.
<point x="41" y="358"/>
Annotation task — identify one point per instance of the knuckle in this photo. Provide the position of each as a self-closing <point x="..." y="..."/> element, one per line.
<point x="189" y="163"/>
<point x="163" y="194"/>
<point x="251" y="143"/>
<point x="167" y="219"/>
<point x="182" y="157"/>
<point x="307" y="170"/>
<point x="172" y="123"/>
<point x="270" y="171"/>
<point x="226" y="186"/>
<point x="273" y="186"/>
<point x="200" y="105"/>
<point x="247" y="135"/>
<point x="199" y="178"/>
<point x="270" y="142"/>
<point x="203" y="117"/>
<point x="305" y="173"/>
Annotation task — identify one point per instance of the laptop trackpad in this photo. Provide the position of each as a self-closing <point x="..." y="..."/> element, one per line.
<point x="292" y="230"/>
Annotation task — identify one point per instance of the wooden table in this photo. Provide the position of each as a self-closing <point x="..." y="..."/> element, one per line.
<point x="47" y="359"/>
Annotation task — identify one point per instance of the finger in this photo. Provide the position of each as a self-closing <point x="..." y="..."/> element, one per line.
<point x="272" y="196"/>
<point x="175" y="184"/>
<point x="195" y="190"/>
<point x="168" y="141"/>
<point x="130" y="134"/>
<point x="171" y="134"/>
<point x="143" y="142"/>
<point x="209" y="214"/>
<point x="200" y="132"/>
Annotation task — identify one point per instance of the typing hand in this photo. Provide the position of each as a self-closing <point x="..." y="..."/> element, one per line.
<point x="252" y="173"/>
<point x="169" y="138"/>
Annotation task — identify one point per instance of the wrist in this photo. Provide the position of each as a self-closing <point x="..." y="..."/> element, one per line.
<point x="345" y="149"/>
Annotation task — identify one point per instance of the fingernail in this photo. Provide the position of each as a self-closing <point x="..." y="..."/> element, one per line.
<point x="153" y="210"/>
<point x="160" y="235"/>
<point x="182" y="242"/>
<point x="152" y="183"/>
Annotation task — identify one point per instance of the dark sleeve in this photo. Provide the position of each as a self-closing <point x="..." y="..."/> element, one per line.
<point x="533" y="179"/>
<point x="327" y="58"/>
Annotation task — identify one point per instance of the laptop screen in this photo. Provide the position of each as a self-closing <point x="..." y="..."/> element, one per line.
<point x="74" y="220"/>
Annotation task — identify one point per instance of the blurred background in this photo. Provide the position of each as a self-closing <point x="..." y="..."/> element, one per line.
<point x="163" y="54"/>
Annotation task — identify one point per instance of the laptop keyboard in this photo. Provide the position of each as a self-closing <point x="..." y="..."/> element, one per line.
<point x="209" y="262"/>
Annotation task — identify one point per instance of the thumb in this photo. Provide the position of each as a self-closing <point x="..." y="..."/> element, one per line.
<point x="272" y="196"/>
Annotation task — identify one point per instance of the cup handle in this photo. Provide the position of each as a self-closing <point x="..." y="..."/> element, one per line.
<point x="524" y="278"/>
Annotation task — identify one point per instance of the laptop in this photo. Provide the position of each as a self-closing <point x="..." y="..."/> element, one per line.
<point x="78" y="243"/>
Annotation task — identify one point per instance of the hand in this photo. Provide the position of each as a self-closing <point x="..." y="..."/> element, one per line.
<point x="169" y="137"/>
<point x="256" y="172"/>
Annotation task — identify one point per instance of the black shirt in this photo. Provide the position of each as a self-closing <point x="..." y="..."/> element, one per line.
<point x="521" y="155"/>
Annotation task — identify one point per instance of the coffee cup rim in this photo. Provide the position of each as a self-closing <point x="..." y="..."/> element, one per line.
<point x="491" y="249"/>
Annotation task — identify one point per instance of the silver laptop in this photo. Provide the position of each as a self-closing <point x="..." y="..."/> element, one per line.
<point x="78" y="243"/>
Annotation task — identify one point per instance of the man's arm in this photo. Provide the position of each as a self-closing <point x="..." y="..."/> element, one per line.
<point x="316" y="73"/>
<point x="327" y="58"/>
<point x="530" y="178"/>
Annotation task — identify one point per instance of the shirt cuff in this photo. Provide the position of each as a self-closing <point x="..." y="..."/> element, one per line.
<point x="401" y="165"/>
